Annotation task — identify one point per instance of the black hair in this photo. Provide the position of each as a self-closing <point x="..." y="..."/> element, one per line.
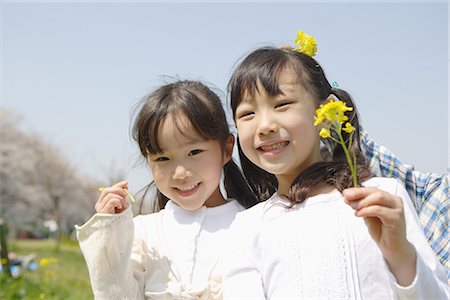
<point x="204" y="110"/>
<point x="264" y="66"/>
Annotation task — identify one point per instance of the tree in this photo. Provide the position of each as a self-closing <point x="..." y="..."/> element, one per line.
<point x="54" y="176"/>
<point x="38" y="181"/>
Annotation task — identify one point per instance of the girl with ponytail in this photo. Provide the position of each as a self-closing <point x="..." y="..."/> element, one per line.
<point x="183" y="134"/>
<point x="317" y="234"/>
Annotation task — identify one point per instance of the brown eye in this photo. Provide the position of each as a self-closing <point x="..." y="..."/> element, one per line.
<point x="245" y="114"/>
<point x="195" y="152"/>
<point x="282" y="104"/>
<point x="161" y="158"/>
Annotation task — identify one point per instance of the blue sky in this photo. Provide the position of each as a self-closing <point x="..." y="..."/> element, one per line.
<point x="74" y="70"/>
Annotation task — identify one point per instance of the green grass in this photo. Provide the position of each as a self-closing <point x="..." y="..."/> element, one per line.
<point x="67" y="278"/>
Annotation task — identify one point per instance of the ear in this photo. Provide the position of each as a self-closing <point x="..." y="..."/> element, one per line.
<point x="229" y="144"/>
<point x="331" y="97"/>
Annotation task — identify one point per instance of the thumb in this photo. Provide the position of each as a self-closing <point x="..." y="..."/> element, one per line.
<point x="122" y="184"/>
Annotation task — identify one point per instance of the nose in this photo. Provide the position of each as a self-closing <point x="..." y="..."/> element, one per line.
<point x="266" y="123"/>
<point x="180" y="173"/>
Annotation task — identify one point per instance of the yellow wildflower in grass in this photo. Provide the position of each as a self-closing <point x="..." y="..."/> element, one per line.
<point x="305" y="43"/>
<point x="46" y="261"/>
<point x="334" y="113"/>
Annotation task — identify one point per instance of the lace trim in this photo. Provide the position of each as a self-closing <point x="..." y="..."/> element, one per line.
<point x="324" y="277"/>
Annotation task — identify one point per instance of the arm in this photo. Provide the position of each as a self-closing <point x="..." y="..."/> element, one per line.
<point x="112" y="249"/>
<point x="430" y="194"/>
<point x="393" y="225"/>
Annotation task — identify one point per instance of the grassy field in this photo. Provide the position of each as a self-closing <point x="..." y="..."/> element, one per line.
<point x="65" y="277"/>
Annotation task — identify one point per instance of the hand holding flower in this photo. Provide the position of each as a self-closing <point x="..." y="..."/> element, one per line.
<point x="384" y="216"/>
<point x="112" y="200"/>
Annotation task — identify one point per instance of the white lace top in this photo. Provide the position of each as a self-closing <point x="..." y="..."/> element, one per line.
<point x="173" y="254"/>
<point x="321" y="250"/>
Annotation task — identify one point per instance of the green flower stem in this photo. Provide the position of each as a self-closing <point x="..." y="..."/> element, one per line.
<point x="349" y="159"/>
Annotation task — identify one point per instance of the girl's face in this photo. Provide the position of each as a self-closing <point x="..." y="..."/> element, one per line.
<point x="189" y="169"/>
<point x="277" y="133"/>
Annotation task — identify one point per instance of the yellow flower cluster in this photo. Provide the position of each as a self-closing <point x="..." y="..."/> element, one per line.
<point x="334" y="113"/>
<point x="46" y="261"/>
<point x="305" y="43"/>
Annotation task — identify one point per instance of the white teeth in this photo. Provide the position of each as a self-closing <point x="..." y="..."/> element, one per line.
<point x="273" y="147"/>
<point x="186" y="188"/>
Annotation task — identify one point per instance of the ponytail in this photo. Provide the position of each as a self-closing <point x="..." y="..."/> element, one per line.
<point x="236" y="186"/>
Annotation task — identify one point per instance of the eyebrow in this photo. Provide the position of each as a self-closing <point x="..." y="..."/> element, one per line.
<point x="189" y="142"/>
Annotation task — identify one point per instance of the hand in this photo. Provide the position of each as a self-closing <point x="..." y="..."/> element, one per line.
<point x="112" y="200"/>
<point x="384" y="216"/>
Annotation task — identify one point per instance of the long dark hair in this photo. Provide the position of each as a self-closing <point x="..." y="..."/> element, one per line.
<point x="265" y="65"/>
<point x="204" y="110"/>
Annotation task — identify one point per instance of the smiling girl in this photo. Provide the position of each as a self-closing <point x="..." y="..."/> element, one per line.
<point x="182" y="132"/>
<point x="316" y="236"/>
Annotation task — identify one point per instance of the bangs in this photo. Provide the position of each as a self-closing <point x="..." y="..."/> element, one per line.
<point x="192" y="116"/>
<point x="262" y="67"/>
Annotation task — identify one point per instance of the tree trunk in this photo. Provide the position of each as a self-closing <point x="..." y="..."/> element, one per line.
<point x="4" y="245"/>
<point x="58" y="234"/>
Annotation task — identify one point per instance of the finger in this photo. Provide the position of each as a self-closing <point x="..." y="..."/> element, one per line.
<point x="122" y="184"/>
<point x="354" y="194"/>
<point x="368" y="196"/>
<point x="103" y="204"/>
<point x="109" y="193"/>
<point x="118" y="190"/>
<point x="388" y="216"/>
<point x="112" y="204"/>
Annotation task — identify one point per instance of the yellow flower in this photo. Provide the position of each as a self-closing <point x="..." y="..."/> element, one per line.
<point x="4" y="261"/>
<point x="305" y="43"/>
<point x="47" y="261"/>
<point x="324" y="133"/>
<point x="333" y="111"/>
<point x="348" y="128"/>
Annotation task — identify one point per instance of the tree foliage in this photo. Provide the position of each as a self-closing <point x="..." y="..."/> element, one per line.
<point x="37" y="181"/>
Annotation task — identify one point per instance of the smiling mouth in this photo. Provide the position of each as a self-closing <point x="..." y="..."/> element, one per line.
<point x="187" y="188"/>
<point x="273" y="147"/>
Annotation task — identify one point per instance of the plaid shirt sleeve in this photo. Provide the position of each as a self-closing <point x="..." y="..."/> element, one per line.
<point x="429" y="192"/>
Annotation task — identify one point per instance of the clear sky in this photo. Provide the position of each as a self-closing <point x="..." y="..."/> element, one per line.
<point x="74" y="70"/>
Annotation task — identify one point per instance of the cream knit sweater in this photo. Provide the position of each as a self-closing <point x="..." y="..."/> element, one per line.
<point x="173" y="254"/>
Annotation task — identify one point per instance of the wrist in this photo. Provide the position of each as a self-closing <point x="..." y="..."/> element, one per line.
<point x="402" y="264"/>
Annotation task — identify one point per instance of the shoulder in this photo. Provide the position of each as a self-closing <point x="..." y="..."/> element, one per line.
<point x="253" y="212"/>
<point x="390" y="185"/>
<point x="262" y="212"/>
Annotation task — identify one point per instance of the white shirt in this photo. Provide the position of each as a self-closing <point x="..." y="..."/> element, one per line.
<point x="319" y="249"/>
<point x="167" y="255"/>
<point x="195" y="239"/>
